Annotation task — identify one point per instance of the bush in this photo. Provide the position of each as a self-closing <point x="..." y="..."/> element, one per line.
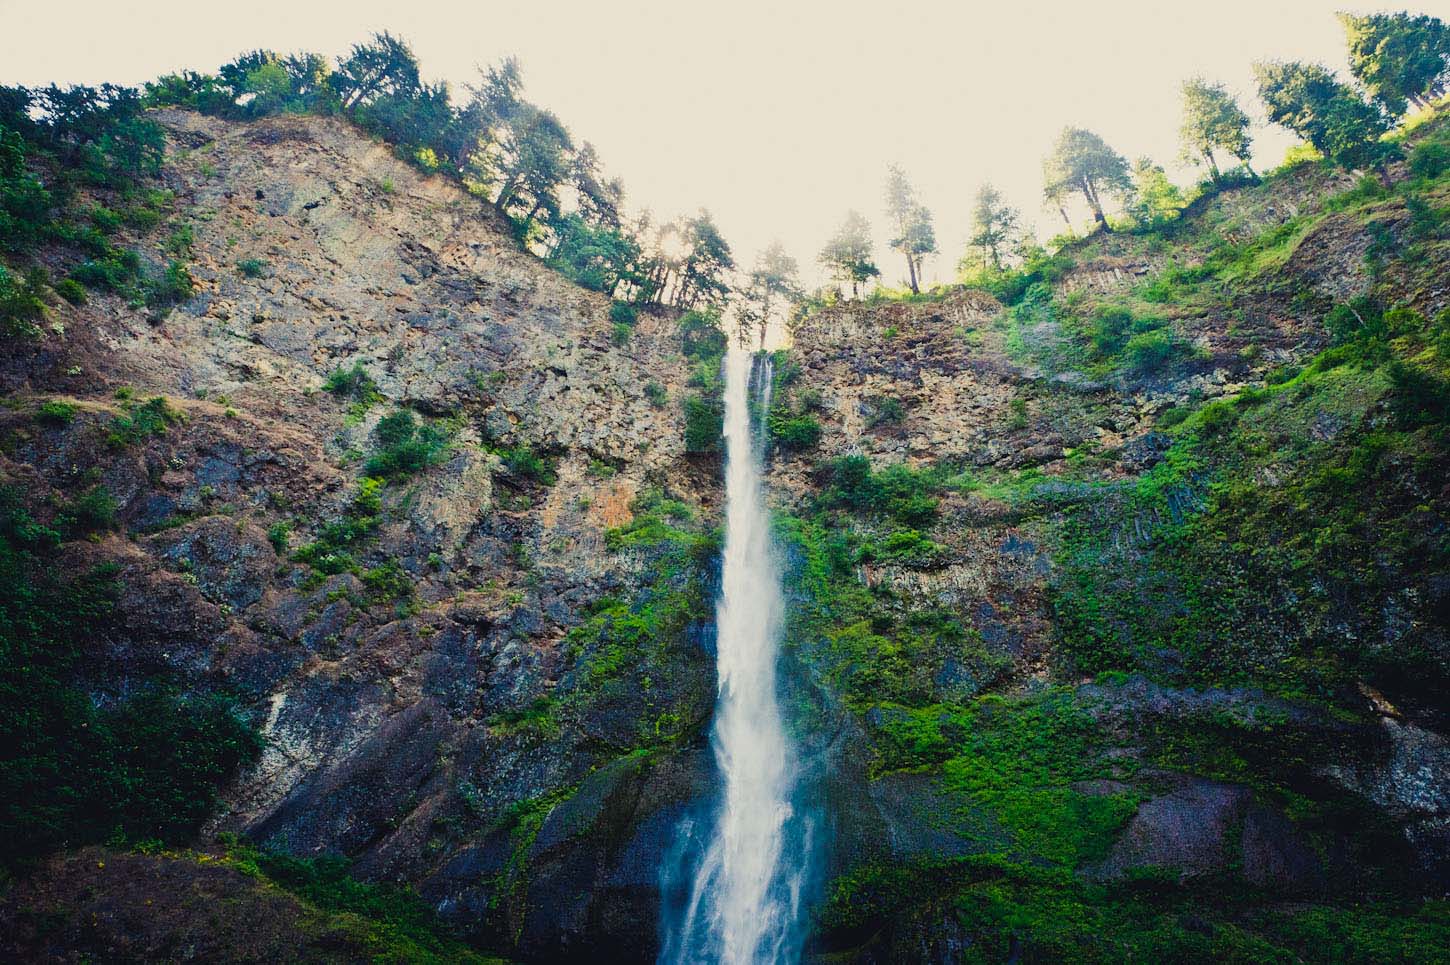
<point x="404" y="447"/>
<point x="252" y="267"/>
<point x="92" y="511"/>
<point x="885" y="410"/>
<point x="181" y="241"/>
<point x="704" y="424"/>
<point x="701" y="336"/>
<point x="354" y="383"/>
<point x="898" y="492"/>
<point x="72" y="291"/>
<point x="1148" y="351"/>
<point x="72" y="772"/>
<point x="148" y="419"/>
<point x="174" y="285"/>
<point x="1431" y="158"/>
<point x="906" y="547"/>
<point x="21" y="306"/>
<point x="1359" y="318"/>
<point x="656" y="394"/>
<point x="115" y="271"/>
<point x="524" y="463"/>
<point x="55" y="412"/>
<point x="620" y="334"/>
<point x="794" y="433"/>
<point x="622" y="313"/>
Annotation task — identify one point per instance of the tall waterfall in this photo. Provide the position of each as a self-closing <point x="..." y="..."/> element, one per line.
<point x="745" y="895"/>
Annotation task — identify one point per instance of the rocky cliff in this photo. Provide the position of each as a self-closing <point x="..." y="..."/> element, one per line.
<point x="1118" y="595"/>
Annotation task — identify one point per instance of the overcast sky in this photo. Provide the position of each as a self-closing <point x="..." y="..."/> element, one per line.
<point x="777" y="116"/>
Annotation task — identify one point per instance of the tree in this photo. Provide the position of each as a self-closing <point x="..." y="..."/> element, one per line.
<point x="706" y="262"/>
<point x="493" y="104"/>
<point x="597" y="257"/>
<point x="537" y="157"/>
<point x="1310" y="101"/>
<point x="848" y="254"/>
<point x="995" y="226"/>
<point x="599" y="200"/>
<point x="1155" y="199"/>
<point x="386" y="66"/>
<point x="1398" y="57"/>
<point x="776" y="276"/>
<point x="1212" y="121"/>
<point x="1083" y="162"/>
<point x="915" y="236"/>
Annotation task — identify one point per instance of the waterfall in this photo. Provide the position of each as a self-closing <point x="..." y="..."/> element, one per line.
<point x="745" y="894"/>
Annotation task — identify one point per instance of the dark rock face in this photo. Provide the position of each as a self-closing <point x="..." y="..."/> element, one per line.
<point x="1199" y="828"/>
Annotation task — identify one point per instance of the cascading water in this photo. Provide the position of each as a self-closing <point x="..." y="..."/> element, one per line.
<point x="746" y="890"/>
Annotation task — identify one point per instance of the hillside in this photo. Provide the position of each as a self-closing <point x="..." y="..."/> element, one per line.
<point x="1118" y="596"/>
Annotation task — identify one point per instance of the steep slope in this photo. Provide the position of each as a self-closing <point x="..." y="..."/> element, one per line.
<point x="1117" y="597"/>
<point x="1124" y="603"/>
<point x="434" y="656"/>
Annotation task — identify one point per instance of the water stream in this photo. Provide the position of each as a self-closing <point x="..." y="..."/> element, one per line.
<point x="745" y="895"/>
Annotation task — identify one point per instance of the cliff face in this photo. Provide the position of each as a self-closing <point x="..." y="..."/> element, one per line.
<point x="1117" y="603"/>
<point x="414" y="677"/>
<point x="1266" y="645"/>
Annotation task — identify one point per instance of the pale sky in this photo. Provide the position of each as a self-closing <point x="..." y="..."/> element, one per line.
<point x="777" y="116"/>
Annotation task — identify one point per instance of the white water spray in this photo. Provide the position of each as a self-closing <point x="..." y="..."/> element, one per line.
<point x="744" y="900"/>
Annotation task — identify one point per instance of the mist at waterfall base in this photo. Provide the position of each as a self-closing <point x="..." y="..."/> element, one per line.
<point x="741" y="864"/>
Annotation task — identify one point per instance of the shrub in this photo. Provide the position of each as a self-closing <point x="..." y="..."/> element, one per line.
<point x="279" y="534"/>
<point x="794" y="433"/>
<point x="92" y="511"/>
<point x="1431" y="158"/>
<point x="701" y="336"/>
<point x="72" y="771"/>
<point x="55" y="412"/>
<point x="115" y="271"/>
<point x="21" y="306"/>
<point x="885" y="410"/>
<point x="622" y="313"/>
<point x="174" y="285"/>
<point x="354" y="383"/>
<point x="620" y="334"/>
<point x="404" y="447"/>
<point x="906" y="547"/>
<point x="524" y="463"/>
<point x="704" y="424"/>
<point x="1359" y="318"/>
<point x="71" y="290"/>
<point x="656" y="394"/>
<point x="148" y="419"/>
<point x="1148" y="351"/>
<point x="899" y="492"/>
<point x="388" y="581"/>
<point x="252" y="267"/>
<point x="181" y="241"/>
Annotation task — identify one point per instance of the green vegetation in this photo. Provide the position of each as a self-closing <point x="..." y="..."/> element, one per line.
<point x="499" y="146"/>
<point x="704" y="344"/>
<point x="1336" y="536"/>
<point x="405" y="448"/>
<point x="634" y="651"/>
<point x="56" y="413"/>
<point x="333" y="551"/>
<point x="140" y="422"/>
<point x="143" y="765"/>
<point x="253" y="268"/>
<point x="395" y="921"/>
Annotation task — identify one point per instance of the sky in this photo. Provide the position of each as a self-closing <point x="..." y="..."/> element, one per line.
<point x="776" y="116"/>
